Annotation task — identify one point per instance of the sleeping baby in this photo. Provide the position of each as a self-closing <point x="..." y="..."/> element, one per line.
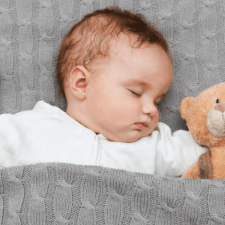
<point x="113" y="69"/>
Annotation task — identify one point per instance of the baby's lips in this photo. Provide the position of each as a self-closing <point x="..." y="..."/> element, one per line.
<point x="141" y="125"/>
<point x="146" y="123"/>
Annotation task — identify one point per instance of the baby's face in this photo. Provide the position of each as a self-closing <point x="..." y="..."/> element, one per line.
<point x="125" y="91"/>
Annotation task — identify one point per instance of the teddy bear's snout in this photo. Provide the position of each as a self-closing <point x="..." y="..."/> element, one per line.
<point x="220" y="107"/>
<point x="216" y="120"/>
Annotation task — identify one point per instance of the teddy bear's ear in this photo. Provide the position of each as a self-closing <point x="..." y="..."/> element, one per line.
<point x="184" y="105"/>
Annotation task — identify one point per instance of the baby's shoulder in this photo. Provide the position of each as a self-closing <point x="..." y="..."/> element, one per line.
<point x="40" y="111"/>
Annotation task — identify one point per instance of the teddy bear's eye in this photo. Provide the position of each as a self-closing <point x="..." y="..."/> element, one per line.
<point x="217" y="101"/>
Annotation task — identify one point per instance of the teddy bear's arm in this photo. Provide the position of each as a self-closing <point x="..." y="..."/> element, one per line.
<point x="201" y="169"/>
<point x="192" y="172"/>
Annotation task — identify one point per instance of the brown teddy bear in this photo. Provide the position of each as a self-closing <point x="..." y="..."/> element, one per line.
<point x="205" y="117"/>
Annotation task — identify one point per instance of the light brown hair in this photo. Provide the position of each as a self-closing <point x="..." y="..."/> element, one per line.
<point x="89" y="39"/>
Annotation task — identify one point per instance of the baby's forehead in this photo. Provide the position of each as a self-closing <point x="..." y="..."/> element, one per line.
<point x="118" y="52"/>
<point x="123" y="47"/>
<point x="123" y="42"/>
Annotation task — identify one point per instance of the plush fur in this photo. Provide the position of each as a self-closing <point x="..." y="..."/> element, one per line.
<point x="205" y="117"/>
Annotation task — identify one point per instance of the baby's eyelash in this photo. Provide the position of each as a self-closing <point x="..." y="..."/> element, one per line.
<point x="135" y="93"/>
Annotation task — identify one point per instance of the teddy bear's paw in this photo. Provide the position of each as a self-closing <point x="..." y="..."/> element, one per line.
<point x="192" y="172"/>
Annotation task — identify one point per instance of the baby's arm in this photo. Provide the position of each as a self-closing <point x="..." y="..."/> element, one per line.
<point x="176" y="152"/>
<point x="9" y="141"/>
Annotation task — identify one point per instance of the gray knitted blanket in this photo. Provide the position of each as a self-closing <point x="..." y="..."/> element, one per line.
<point x="70" y="194"/>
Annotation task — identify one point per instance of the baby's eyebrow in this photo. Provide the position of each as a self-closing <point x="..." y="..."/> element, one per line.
<point x="137" y="82"/>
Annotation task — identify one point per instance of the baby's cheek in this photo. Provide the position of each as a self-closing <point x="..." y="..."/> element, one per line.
<point x="156" y="118"/>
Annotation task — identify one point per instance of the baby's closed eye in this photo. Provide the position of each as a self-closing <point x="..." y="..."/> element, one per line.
<point x="135" y="93"/>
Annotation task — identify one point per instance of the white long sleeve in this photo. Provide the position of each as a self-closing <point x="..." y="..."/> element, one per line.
<point x="10" y="141"/>
<point x="176" y="152"/>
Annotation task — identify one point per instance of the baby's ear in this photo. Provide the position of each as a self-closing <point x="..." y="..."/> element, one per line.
<point x="184" y="106"/>
<point x="79" y="79"/>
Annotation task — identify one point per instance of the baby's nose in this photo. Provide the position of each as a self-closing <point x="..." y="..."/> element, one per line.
<point x="150" y="109"/>
<point x="220" y="107"/>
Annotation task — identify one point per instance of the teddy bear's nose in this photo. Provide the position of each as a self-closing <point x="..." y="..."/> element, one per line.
<point x="220" y="107"/>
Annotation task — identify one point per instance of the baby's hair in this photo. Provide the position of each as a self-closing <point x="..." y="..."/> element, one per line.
<point x="89" y="39"/>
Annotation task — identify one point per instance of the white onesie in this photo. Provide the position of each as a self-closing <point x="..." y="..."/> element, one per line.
<point x="47" y="134"/>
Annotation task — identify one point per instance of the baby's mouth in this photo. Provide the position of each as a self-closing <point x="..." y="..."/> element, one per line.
<point x="141" y="125"/>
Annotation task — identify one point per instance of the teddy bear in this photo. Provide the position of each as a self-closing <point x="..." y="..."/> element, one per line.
<point x="205" y="119"/>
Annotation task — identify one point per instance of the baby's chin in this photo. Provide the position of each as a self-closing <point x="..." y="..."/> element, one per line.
<point x="128" y="137"/>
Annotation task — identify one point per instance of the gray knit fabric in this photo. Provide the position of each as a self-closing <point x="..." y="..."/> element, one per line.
<point x="70" y="194"/>
<point x="31" y="31"/>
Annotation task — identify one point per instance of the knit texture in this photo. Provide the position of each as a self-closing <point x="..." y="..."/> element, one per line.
<point x="31" y="31"/>
<point x="70" y="194"/>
